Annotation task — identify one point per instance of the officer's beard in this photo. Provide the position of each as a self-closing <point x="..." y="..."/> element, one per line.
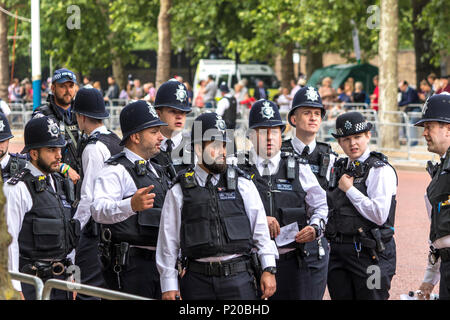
<point x="216" y="168"/>
<point x="45" y="168"/>
<point x="3" y="153"/>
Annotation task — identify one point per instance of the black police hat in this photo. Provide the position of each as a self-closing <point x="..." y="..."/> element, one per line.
<point x="351" y="123"/>
<point x="172" y="94"/>
<point x="212" y="124"/>
<point x="306" y="97"/>
<point x="89" y="102"/>
<point x="264" y="113"/>
<point x="42" y="132"/>
<point x="137" y="116"/>
<point x="64" y="75"/>
<point x="436" y="108"/>
<point x="224" y="88"/>
<point x="5" y="130"/>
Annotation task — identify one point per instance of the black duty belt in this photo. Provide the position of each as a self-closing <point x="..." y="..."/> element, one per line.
<point x="220" y="269"/>
<point x="146" y="254"/>
<point x="444" y="254"/>
<point x="288" y="255"/>
<point x="345" y="238"/>
<point x="46" y="269"/>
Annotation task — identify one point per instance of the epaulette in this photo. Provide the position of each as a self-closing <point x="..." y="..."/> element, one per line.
<point x="286" y="146"/>
<point x="380" y="156"/>
<point x="242" y="173"/>
<point x="20" y="156"/>
<point x="92" y="139"/>
<point x="18" y="176"/>
<point x="42" y="110"/>
<point x="326" y="147"/>
<point x="113" y="160"/>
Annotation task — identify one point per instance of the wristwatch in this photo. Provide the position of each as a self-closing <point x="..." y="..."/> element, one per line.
<point x="317" y="229"/>
<point x="272" y="270"/>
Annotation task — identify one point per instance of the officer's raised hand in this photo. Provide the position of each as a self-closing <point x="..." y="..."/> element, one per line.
<point x="346" y="182"/>
<point x="274" y="227"/>
<point x="142" y="199"/>
<point x="73" y="175"/>
<point x="171" y="295"/>
<point x="307" y="234"/>
<point x="268" y="284"/>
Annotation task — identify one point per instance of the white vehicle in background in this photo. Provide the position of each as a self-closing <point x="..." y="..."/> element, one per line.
<point x="225" y="70"/>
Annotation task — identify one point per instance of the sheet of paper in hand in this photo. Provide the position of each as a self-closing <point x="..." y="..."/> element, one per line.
<point x="287" y="234"/>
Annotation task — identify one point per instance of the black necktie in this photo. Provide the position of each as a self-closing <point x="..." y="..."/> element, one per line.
<point x="305" y="151"/>
<point x="169" y="146"/>
<point x="266" y="170"/>
<point x="208" y="183"/>
<point x="49" y="184"/>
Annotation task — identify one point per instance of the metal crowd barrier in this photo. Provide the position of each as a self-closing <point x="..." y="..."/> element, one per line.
<point x="87" y="290"/>
<point x="29" y="279"/>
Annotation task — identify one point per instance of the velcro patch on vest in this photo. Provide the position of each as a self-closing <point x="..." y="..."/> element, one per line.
<point x="358" y="180"/>
<point x="284" y="187"/>
<point x="314" y="168"/>
<point x="65" y="203"/>
<point x="227" y="195"/>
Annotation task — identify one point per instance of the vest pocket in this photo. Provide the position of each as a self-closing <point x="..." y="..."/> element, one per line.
<point x="291" y="215"/>
<point x="74" y="232"/>
<point x="149" y="218"/>
<point x="196" y="233"/>
<point x="237" y="227"/>
<point x="47" y="233"/>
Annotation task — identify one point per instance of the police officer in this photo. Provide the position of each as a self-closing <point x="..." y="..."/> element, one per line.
<point x="227" y="106"/>
<point x="436" y="123"/>
<point x="58" y="107"/>
<point x="38" y="211"/>
<point x="360" y="225"/>
<point x="94" y="150"/>
<point x="288" y="189"/>
<point x="129" y="194"/>
<point x="10" y="163"/>
<point x="171" y="104"/>
<point x="216" y="217"/>
<point x="306" y="117"/>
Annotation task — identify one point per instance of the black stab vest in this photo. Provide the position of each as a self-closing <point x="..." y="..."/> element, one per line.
<point x="438" y="193"/>
<point x="15" y="164"/>
<point x="318" y="160"/>
<point x="344" y="217"/>
<point x="213" y="222"/>
<point x="283" y="197"/>
<point x="48" y="230"/>
<point x="142" y="227"/>
<point x="179" y="159"/>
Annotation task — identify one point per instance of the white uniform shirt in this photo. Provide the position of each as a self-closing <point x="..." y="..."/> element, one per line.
<point x="299" y="146"/>
<point x="93" y="160"/>
<point x="223" y="104"/>
<point x="113" y="191"/>
<point x="176" y="139"/>
<point x="18" y="203"/>
<point x="169" y="230"/>
<point x="5" y="160"/>
<point x="381" y="186"/>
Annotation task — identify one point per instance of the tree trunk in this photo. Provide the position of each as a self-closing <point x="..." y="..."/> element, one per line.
<point x="313" y="61"/>
<point x="387" y="51"/>
<point x="422" y="44"/>
<point x="164" y="44"/>
<point x="4" y="55"/>
<point x="118" y="71"/>
<point x="284" y="66"/>
<point x="7" y="291"/>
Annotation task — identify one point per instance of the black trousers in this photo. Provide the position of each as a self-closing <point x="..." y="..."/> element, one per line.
<point x="357" y="278"/>
<point x="140" y="276"/>
<point x="88" y="259"/>
<point x="197" y="286"/>
<point x="444" y="283"/>
<point x="318" y="268"/>
<point x="294" y="281"/>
